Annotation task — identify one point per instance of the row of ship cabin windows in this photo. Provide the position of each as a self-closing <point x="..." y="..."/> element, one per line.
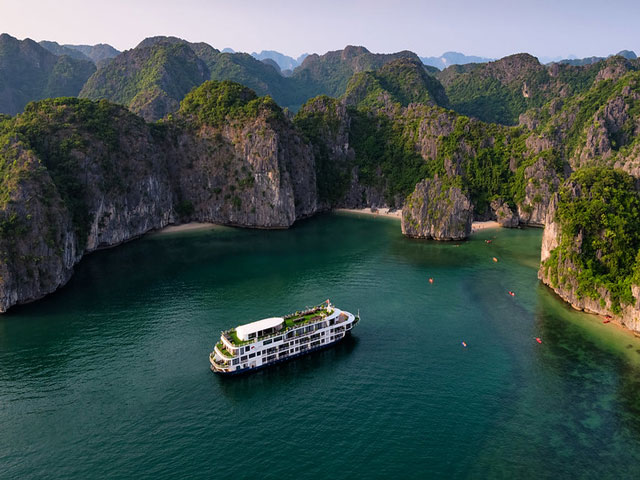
<point x="270" y="351"/>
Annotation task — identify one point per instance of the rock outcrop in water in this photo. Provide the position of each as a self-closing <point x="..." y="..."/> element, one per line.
<point x="80" y="175"/>
<point x="589" y="247"/>
<point x="437" y="211"/>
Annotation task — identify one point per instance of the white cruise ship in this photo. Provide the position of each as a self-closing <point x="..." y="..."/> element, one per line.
<point x="272" y="340"/>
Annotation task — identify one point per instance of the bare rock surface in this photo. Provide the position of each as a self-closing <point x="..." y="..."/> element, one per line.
<point x="437" y="211"/>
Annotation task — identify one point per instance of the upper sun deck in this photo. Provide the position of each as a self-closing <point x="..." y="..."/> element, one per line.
<point x="252" y="332"/>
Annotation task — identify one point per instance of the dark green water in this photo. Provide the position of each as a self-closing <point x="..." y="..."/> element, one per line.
<point x="109" y="377"/>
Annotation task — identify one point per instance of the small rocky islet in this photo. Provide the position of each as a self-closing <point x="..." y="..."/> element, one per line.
<point x="547" y="145"/>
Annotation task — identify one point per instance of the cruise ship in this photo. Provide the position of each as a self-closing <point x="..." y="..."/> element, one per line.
<point x="266" y="342"/>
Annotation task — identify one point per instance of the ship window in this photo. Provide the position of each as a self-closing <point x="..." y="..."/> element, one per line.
<point x="243" y="358"/>
<point x="251" y="335"/>
<point x="235" y="361"/>
<point x="251" y="355"/>
<point x="277" y="339"/>
<point x="267" y="342"/>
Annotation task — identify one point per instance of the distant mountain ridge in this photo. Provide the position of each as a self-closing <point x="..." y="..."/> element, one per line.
<point x="152" y="78"/>
<point x="94" y="53"/>
<point x="285" y="62"/>
<point x="628" y="54"/>
<point x="57" y="49"/>
<point x="98" y="53"/>
<point x="453" y="58"/>
<point x="30" y="72"/>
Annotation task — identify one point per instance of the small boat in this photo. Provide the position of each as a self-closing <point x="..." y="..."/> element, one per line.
<point x="607" y="321"/>
<point x="538" y="340"/>
<point x="431" y="280"/>
<point x="512" y="293"/>
<point x="495" y="259"/>
<point x="464" y="344"/>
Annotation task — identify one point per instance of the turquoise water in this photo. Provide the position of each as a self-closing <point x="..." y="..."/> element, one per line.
<point x="109" y="377"/>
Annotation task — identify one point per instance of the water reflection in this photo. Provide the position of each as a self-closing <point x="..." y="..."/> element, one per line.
<point x="239" y="388"/>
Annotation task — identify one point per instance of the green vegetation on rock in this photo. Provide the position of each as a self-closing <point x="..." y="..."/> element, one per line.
<point x="150" y="80"/>
<point x="44" y="128"/>
<point x="214" y="103"/>
<point x="599" y="216"/>
<point x="502" y="90"/>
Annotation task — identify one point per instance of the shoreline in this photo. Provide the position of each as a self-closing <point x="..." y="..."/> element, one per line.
<point x="378" y="212"/>
<point x="185" y="227"/>
<point x="487" y="225"/>
<point x="397" y="214"/>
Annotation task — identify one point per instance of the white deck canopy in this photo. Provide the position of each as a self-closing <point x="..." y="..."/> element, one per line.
<point x="272" y="324"/>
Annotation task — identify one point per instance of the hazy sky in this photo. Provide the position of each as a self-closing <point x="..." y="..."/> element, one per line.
<point x="492" y="28"/>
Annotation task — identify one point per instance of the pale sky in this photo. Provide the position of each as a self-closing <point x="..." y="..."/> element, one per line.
<point x="491" y="28"/>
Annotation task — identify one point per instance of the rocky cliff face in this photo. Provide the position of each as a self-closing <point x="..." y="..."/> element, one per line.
<point x="37" y="245"/>
<point x="437" y="211"/>
<point x="541" y="182"/>
<point x="504" y="215"/>
<point x="84" y="175"/>
<point x="589" y="247"/>
<point x="375" y="144"/>
<point x="249" y="174"/>
<point x="627" y="315"/>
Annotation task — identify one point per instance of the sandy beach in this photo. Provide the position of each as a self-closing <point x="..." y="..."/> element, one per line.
<point x="186" y="227"/>
<point x="385" y="212"/>
<point x="381" y="212"/>
<point x="477" y="226"/>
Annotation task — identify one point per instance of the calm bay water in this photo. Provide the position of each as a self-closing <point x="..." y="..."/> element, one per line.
<point x="109" y="377"/>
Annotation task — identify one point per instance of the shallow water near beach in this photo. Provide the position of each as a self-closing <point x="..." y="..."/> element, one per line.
<point x="109" y="377"/>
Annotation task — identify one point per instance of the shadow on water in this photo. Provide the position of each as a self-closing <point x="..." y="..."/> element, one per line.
<point x="270" y="380"/>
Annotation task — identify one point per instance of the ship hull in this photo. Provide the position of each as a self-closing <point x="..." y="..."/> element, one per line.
<point x="248" y="370"/>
